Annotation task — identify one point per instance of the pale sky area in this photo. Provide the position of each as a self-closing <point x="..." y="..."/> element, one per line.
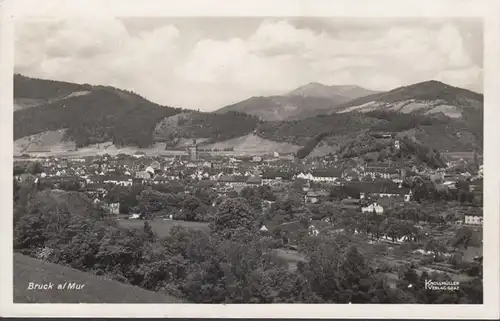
<point x="207" y="63"/>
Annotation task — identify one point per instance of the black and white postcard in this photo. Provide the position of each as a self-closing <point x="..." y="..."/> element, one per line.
<point x="242" y="158"/>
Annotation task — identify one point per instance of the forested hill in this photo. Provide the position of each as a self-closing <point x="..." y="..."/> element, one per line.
<point x="409" y="151"/>
<point x="102" y="114"/>
<point x="333" y="131"/>
<point x="87" y="114"/>
<point x="96" y="114"/>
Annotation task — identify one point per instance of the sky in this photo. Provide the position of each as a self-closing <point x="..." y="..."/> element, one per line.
<point x="208" y="63"/>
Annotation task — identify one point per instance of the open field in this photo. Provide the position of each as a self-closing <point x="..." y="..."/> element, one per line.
<point x="253" y="144"/>
<point x="162" y="228"/>
<point x="96" y="289"/>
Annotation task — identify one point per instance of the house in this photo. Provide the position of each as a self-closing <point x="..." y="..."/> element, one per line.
<point x="381" y="171"/>
<point x="326" y="175"/>
<point x="373" y="207"/>
<point x="313" y="231"/>
<point x="118" y="180"/>
<point x="471" y="219"/>
<point x="254" y="181"/>
<point x="314" y="197"/>
<point x="233" y="180"/>
<point x="383" y="189"/>
<point x="303" y="176"/>
<point x="275" y="177"/>
<point x="350" y="204"/>
<point x="155" y="165"/>
<point x="159" y="179"/>
<point x="206" y="183"/>
<point x="350" y="175"/>
<point x="144" y="175"/>
<point x="111" y="208"/>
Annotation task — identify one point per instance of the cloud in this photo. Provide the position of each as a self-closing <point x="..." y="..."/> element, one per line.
<point x="279" y="55"/>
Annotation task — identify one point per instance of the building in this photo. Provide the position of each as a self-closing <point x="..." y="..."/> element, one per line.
<point x="473" y="219"/>
<point x="111" y="208"/>
<point x="382" y="172"/>
<point x="155" y="165"/>
<point x="193" y="151"/>
<point x="382" y="189"/>
<point x="233" y="180"/>
<point x="143" y="175"/>
<point x="350" y="204"/>
<point x="275" y="177"/>
<point x="313" y="231"/>
<point x="326" y="175"/>
<point x="118" y="180"/>
<point x="254" y="181"/>
<point x="373" y="207"/>
<point x="313" y="197"/>
<point x="397" y="144"/>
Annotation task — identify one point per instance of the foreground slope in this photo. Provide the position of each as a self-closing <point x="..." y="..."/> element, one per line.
<point x="97" y="289"/>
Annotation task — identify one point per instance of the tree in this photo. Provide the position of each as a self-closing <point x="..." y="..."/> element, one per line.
<point x="434" y="246"/>
<point x="234" y="216"/>
<point x="29" y="232"/>
<point x="150" y="235"/>
<point x="191" y="208"/>
<point x="338" y="273"/>
<point x="463" y="237"/>
<point x="34" y="168"/>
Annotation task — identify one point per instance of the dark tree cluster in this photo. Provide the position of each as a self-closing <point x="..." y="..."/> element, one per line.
<point x="217" y="127"/>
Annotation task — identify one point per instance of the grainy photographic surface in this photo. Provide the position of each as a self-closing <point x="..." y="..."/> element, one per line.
<point x="248" y="160"/>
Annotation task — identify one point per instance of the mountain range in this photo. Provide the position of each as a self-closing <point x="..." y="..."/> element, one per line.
<point x="306" y="101"/>
<point x="59" y="116"/>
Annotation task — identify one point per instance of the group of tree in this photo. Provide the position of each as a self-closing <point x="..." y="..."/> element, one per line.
<point x="256" y="195"/>
<point x="230" y="264"/>
<point x="425" y="190"/>
<point x="32" y="168"/>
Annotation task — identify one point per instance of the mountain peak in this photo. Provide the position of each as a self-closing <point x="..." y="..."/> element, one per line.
<point x="342" y="92"/>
